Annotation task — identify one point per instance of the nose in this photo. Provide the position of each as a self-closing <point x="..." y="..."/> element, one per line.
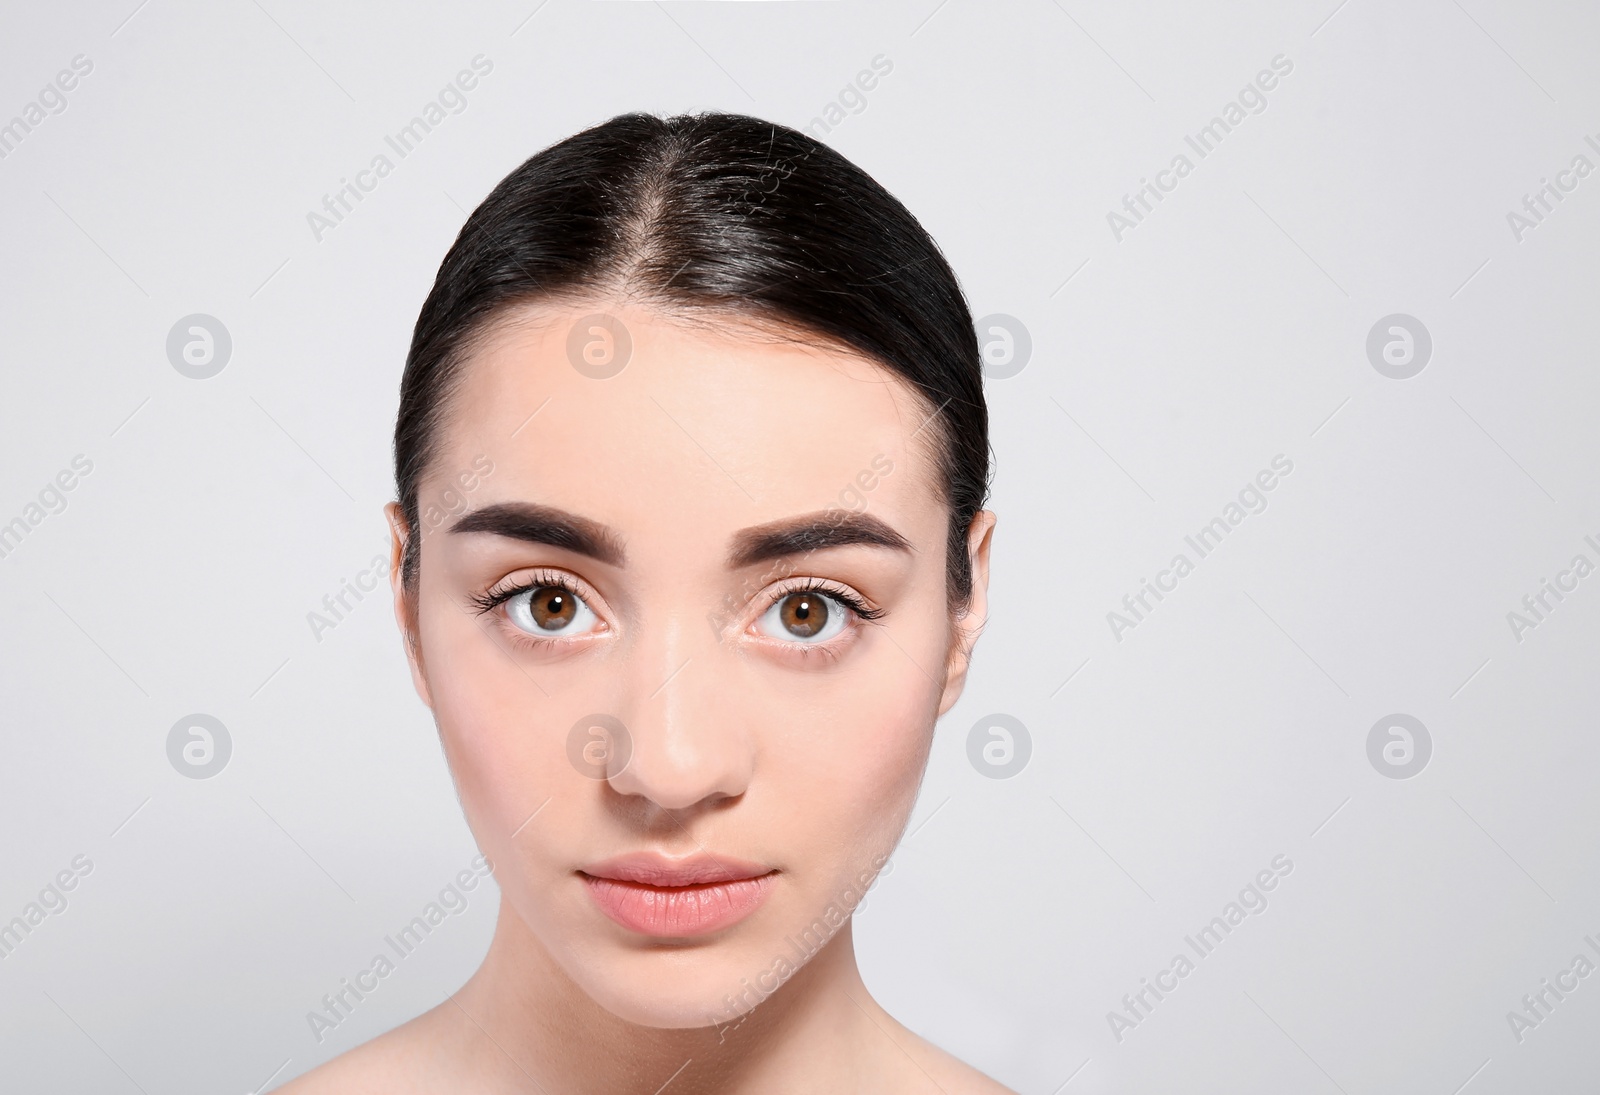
<point x="689" y="744"/>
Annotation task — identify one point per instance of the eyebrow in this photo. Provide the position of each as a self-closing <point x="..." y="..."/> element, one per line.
<point x="812" y="532"/>
<point x="536" y="524"/>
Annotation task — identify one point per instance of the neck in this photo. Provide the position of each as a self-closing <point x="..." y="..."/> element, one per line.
<point x="551" y="1036"/>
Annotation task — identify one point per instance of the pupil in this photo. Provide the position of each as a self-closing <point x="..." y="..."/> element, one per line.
<point x="804" y="614"/>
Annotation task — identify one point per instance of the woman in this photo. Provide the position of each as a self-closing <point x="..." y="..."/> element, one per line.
<point x="689" y="555"/>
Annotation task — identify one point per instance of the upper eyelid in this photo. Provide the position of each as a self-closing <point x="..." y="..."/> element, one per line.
<point x="539" y="576"/>
<point x="788" y="586"/>
<point x="858" y="604"/>
<point x="500" y="592"/>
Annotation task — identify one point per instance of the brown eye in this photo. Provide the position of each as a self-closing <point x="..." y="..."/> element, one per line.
<point x="547" y="609"/>
<point x="808" y="617"/>
<point x="803" y="614"/>
<point x="552" y="608"/>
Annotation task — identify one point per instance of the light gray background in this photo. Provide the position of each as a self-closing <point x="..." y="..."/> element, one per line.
<point x="1229" y="727"/>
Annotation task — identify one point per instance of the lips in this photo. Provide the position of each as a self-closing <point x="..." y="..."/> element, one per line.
<point x="677" y="898"/>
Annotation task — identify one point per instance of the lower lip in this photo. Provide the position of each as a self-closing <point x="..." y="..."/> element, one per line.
<point x="678" y="911"/>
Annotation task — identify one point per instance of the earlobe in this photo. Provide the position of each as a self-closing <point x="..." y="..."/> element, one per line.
<point x="968" y="626"/>
<point x="404" y="609"/>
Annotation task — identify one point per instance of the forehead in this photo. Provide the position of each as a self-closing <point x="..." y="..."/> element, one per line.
<point x="709" y="417"/>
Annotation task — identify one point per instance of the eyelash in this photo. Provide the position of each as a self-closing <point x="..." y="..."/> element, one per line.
<point x="839" y="593"/>
<point x="493" y="598"/>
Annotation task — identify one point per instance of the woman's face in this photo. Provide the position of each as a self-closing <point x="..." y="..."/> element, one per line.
<point x="685" y="633"/>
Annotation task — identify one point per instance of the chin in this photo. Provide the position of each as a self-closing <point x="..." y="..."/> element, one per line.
<point x="672" y="987"/>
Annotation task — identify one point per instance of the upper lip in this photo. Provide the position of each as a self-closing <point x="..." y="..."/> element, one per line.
<point x="653" y="869"/>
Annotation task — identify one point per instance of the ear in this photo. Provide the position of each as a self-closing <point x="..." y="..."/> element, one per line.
<point x="969" y="624"/>
<point x="405" y="612"/>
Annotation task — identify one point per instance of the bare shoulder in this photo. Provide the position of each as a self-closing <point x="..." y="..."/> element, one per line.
<point x="388" y="1063"/>
<point x="959" y="1078"/>
<point x="942" y="1071"/>
<point x="411" y="1058"/>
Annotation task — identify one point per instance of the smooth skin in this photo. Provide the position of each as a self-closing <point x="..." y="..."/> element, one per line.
<point x="747" y="740"/>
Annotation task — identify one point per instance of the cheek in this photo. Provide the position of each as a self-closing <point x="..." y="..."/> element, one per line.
<point x="894" y="718"/>
<point x="850" y="758"/>
<point x="491" y="722"/>
<point x="891" y="729"/>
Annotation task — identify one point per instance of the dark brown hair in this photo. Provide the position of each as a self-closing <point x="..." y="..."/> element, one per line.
<point x="710" y="211"/>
